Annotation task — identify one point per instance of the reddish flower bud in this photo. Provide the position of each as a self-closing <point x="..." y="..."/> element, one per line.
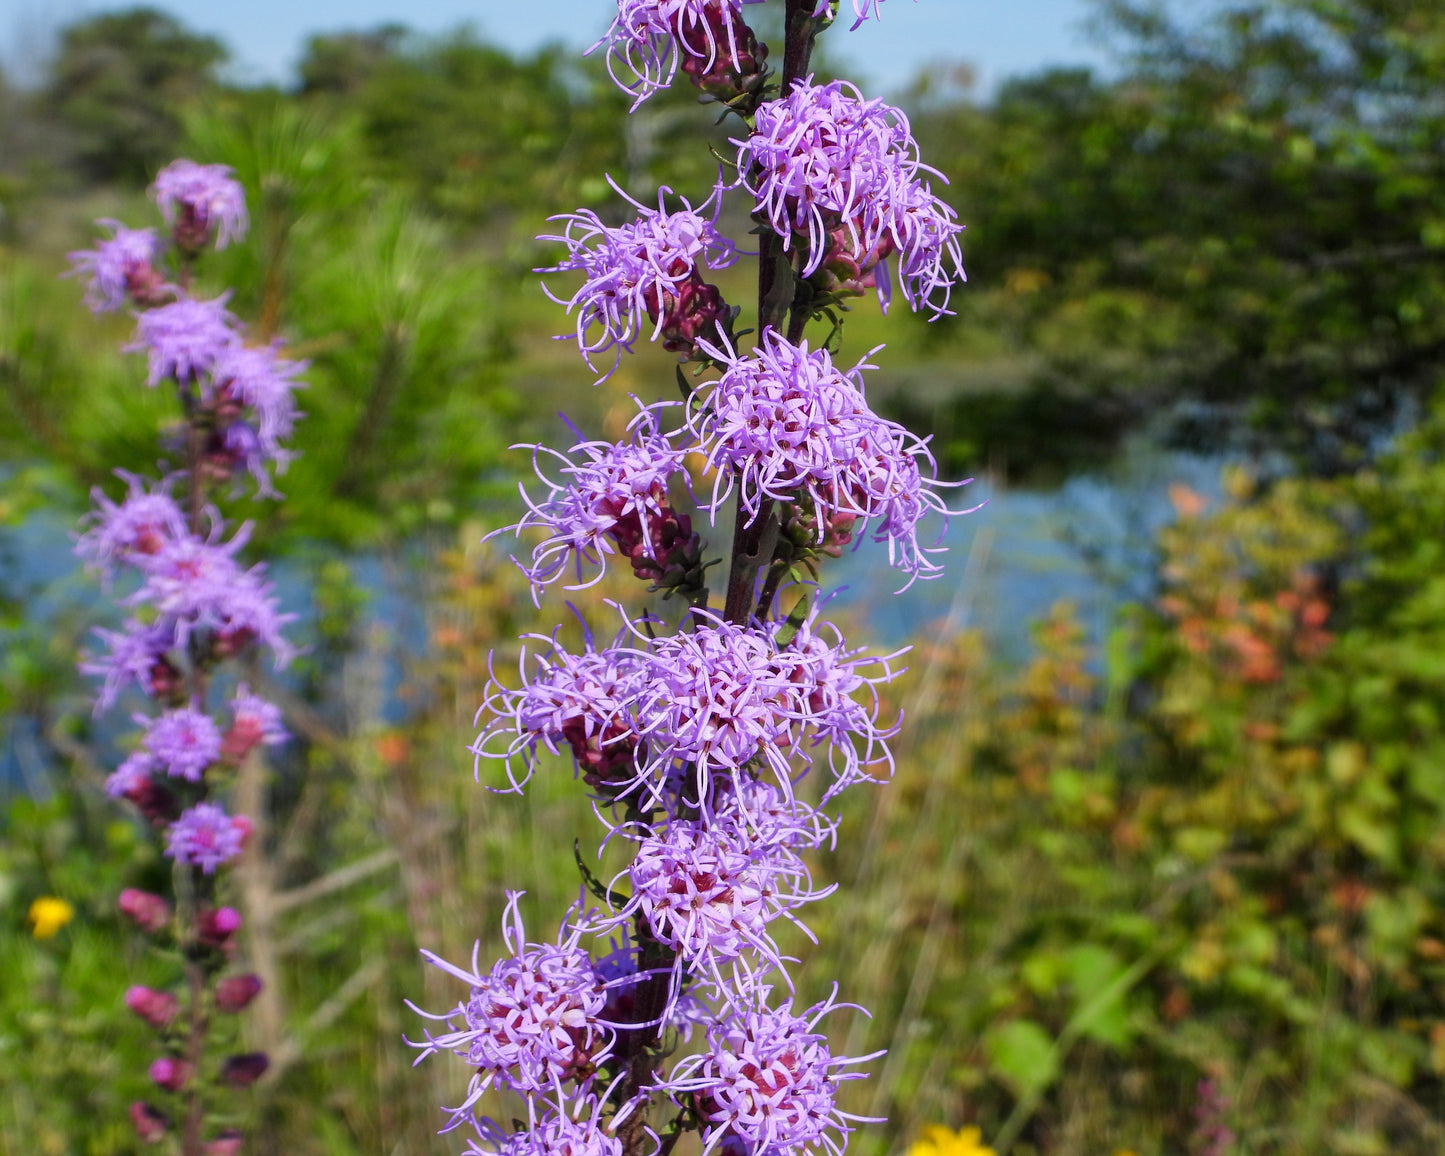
<point x="149" y="912"/>
<point x="226" y="1143"/>
<point x="244" y="1070"/>
<point x="235" y="992"/>
<point x="150" y="1124"/>
<point x="218" y="925"/>
<point x="157" y="1008"/>
<point x="170" y="1073"/>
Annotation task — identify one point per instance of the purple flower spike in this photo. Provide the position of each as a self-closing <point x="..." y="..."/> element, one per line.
<point x="611" y="498"/>
<point x="184" y="742"/>
<point x="768" y="1079"/>
<point x="205" y="837"/>
<point x="786" y="424"/>
<point x="635" y="273"/>
<point x="531" y="1022"/>
<point x="121" y="268"/>
<point x="184" y="339"/>
<point x="200" y="202"/>
<point x="841" y="176"/>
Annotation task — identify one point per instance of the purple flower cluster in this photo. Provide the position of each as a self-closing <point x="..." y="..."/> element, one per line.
<point x="768" y="1081"/>
<point x="201" y="203"/>
<point x="647" y="270"/>
<point x="649" y="38"/>
<point x="530" y="1023"/>
<point x="612" y="498"/>
<point x="191" y="605"/>
<point x="708" y="702"/>
<point x="840" y="175"/>
<point x="786" y="425"/>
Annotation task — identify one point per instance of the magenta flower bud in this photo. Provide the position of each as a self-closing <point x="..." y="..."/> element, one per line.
<point x="235" y="992"/>
<point x="150" y="1124"/>
<point x="170" y="1073"/>
<point x="227" y="1143"/>
<point x="218" y="925"/>
<point x="244" y="1070"/>
<point x="149" y="912"/>
<point x="157" y="1008"/>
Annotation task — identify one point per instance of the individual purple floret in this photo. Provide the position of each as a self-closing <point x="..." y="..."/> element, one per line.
<point x="611" y="498"/>
<point x="121" y="268"/>
<point x="145" y="521"/>
<point x="205" y="837"/>
<point x="769" y="816"/>
<point x="200" y="202"/>
<point x="786" y="425"/>
<point x="184" y="339"/>
<point x="183" y="742"/>
<point x="532" y="1022"/>
<point x="841" y="175"/>
<point x="862" y="10"/>
<point x="638" y="272"/>
<point x="768" y="1079"/>
<point x="648" y="39"/>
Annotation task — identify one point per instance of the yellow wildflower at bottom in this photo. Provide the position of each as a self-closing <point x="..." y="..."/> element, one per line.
<point x="48" y="915"/>
<point x="940" y="1141"/>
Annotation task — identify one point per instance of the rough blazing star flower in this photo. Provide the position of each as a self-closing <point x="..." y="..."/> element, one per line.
<point x="138" y="654"/>
<point x="785" y="424"/>
<point x="634" y="271"/>
<point x="183" y="742"/>
<point x="201" y="201"/>
<point x="184" y="339"/>
<point x="133" y="775"/>
<point x="709" y="892"/>
<point x="824" y="159"/>
<point x="142" y="524"/>
<point x="205" y="836"/>
<point x="198" y="585"/>
<point x="767" y="1078"/>
<point x="648" y="38"/>
<point x="120" y="268"/>
<point x="716" y="697"/>
<point x="259" y="379"/>
<point x="612" y="498"/>
<point x="583" y="701"/>
<point x="256" y="722"/>
<point x="533" y="1021"/>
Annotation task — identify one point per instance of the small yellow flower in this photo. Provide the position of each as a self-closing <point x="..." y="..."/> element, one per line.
<point x="48" y="915"/>
<point x="940" y="1141"/>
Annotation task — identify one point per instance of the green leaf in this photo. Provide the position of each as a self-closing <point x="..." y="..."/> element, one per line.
<point x="1022" y="1054"/>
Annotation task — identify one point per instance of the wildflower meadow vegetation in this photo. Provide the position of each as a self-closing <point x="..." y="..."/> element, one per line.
<point x="475" y="678"/>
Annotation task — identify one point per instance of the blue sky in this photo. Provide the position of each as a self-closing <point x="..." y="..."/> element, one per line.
<point x="266" y="36"/>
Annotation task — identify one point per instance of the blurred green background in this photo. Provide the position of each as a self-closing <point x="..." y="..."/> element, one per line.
<point x="1187" y="827"/>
